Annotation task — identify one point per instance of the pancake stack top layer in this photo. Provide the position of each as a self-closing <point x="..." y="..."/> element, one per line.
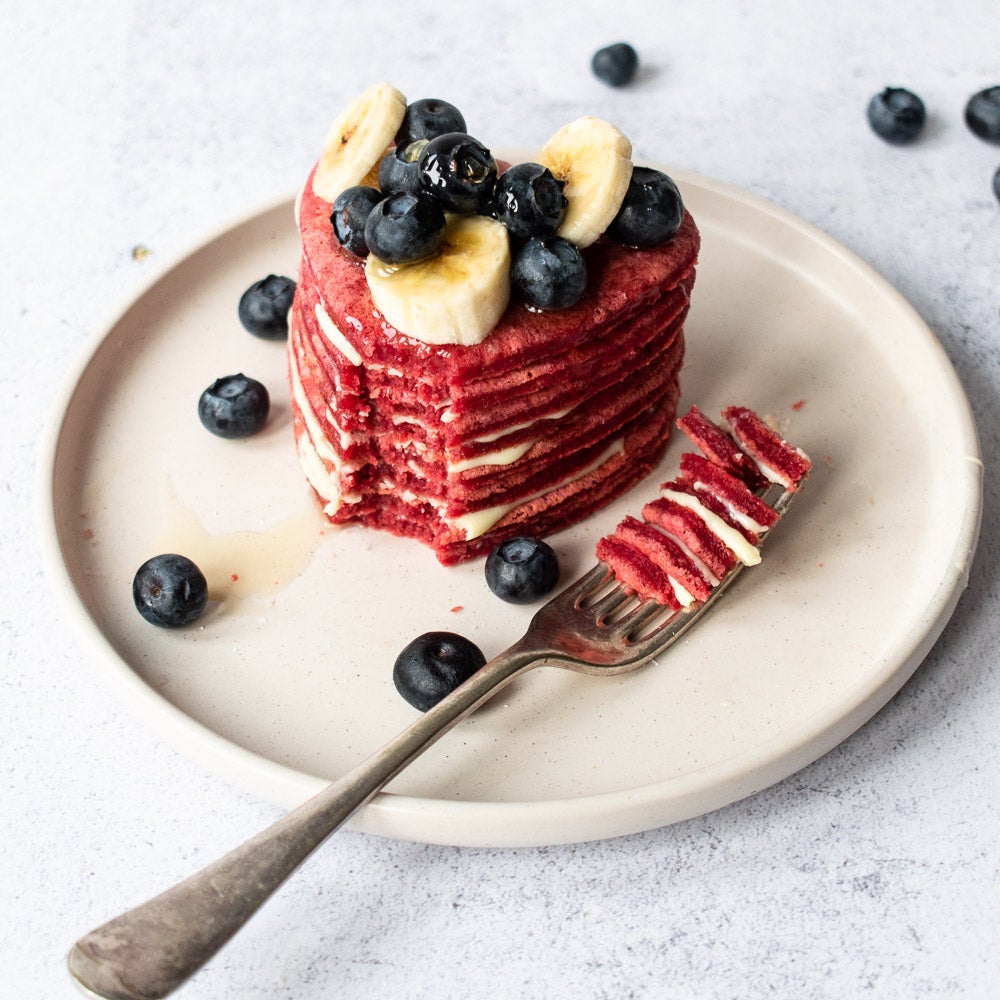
<point x="544" y="420"/>
<point x="710" y="517"/>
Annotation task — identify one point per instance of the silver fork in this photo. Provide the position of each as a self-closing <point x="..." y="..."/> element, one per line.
<point x="593" y="627"/>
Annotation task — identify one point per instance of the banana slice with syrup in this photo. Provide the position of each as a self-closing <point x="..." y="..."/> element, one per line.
<point x="593" y="159"/>
<point x="357" y="140"/>
<point x="458" y="295"/>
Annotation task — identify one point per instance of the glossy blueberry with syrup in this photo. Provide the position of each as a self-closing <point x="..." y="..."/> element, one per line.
<point x="351" y="209"/>
<point x="427" y="119"/>
<point x="404" y="228"/>
<point x="169" y="590"/>
<point x="529" y="201"/>
<point x="459" y="171"/>
<point x="651" y="212"/>
<point x="263" y="307"/>
<point x="433" y="665"/>
<point x="549" y="272"/>
<point x="399" y="170"/>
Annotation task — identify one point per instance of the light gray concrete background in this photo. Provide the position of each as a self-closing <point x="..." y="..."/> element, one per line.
<point x="871" y="873"/>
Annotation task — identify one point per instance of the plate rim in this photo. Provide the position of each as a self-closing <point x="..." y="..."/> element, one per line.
<point x="545" y="821"/>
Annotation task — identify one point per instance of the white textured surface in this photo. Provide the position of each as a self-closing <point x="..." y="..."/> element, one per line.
<point x="873" y="872"/>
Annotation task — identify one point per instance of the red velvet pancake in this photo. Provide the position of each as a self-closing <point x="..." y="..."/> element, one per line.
<point x="781" y="462"/>
<point x="549" y="418"/>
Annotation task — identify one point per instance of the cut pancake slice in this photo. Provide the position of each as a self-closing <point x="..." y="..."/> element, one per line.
<point x="706" y="521"/>
<point x="743" y="506"/>
<point x="687" y="526"/>
<point x="687" y="579"/>
<point x="779" y="461"/>
<point x="719" y="447"/>
<point x="636" y="571"/>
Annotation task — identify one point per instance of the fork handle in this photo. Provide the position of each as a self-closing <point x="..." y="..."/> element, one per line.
<point x="150" y="950"/>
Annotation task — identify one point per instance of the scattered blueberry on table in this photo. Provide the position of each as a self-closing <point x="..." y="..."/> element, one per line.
<point x="615" y="64"/>
<point x="433" y="665"/>
<point x="982" y="114"/>
<point x="897" y="115"/>
<point x="996" y="183"/>
<point x="522" y="570"/>
<point x="263" y="307"/>
<point x="169" y="590"/>
<point x="234" y="406"/>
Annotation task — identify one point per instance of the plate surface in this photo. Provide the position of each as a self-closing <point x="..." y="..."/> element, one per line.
<point x="286" y="680"/>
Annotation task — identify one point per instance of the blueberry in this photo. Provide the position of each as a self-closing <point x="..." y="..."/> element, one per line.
<point x="350" y="212"/>
<point x="522" y="570"/>
<point x="399" y="169"/>
<point x="549" y="272"/>
<point x="897" y="115"/>
<point x="433" y="665"/>
<point x="234" y="406"/>
<point x="996" y="183"/>
<point x="405" y="227"/>
<point x="264" y="306"/>
<point x="529" y="201"/>
<point x="651" y="212"/>
<point x="982" y="114"/>
<point x="427" y="119"/>
<point x="169" y="590"/>
<point x="459" y="171"/>
<point x="615" y="64"/>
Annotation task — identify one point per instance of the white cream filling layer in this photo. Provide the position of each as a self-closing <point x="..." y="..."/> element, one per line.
<point x="683" y="595"/>
<point x="771" y="474"/>
<point x="557" y="415"/>
<point x="737" y="515"/>
<point x="320" y="478"/>
<point x="506" y="456"/>
<point x="478" y="522"/>
<point x="346" y="437"/>
<point x="699" y="563"/>
<point x="510" y="454"/>
<point x="744" y="551"/>
<point x="333" y="334"/>
<point x="315" y="450"/>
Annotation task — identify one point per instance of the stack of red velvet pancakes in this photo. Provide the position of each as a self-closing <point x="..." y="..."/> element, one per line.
<point x="461" y="445"/>
<point x="544" y="421"/>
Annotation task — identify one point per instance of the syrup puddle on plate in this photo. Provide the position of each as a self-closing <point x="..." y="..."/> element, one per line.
<point x="241" y="565"/>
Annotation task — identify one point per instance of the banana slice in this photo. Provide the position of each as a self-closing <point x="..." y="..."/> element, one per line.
<point x="594" y="159"/>
<point x="357" y="139"/>
<point x="455" y="297"/>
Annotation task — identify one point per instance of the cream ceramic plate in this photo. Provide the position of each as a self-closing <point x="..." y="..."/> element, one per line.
<point x="286" y="680"/>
